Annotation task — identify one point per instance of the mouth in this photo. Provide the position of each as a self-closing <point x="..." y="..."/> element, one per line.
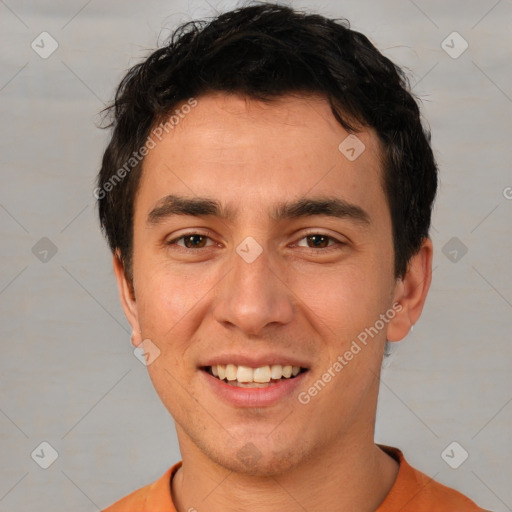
<point x="248" y="377"/>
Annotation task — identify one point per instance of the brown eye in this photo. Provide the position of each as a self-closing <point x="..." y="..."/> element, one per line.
<point x="194" y="241"/>
<point x="191" y="241"/>
<point x="318" y="241"/>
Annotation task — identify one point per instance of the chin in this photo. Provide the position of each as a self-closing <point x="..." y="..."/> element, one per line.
<point x="251" y="449"/>
<point x="260" y="457"/>
<point x="264" y="465"/>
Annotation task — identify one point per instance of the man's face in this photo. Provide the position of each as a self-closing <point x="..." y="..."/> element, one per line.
<point x="213" y="298"/>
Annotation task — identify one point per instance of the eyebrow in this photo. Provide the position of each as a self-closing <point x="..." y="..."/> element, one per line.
<point x="172" y="205"/>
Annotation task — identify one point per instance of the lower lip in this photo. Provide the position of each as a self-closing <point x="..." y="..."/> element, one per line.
<point x="253" y="397"/>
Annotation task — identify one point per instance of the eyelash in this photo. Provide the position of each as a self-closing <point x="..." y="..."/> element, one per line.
<point x="336" y="245"/>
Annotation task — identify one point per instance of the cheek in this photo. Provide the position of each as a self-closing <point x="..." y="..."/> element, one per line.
<point x="166" y="295"/>
<point x="345" y="300"/>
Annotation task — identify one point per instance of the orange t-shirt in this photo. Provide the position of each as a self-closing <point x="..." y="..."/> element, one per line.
<point x="412" y="492"/>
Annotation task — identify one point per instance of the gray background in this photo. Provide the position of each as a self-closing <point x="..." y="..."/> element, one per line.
<point x="68" y="373"/>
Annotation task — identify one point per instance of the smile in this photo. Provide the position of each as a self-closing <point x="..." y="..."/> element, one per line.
<point x="245" y="376"/>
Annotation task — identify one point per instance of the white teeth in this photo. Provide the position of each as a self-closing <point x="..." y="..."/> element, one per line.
<point x="231" y="372"/>
<point x="244" y="374"/>
<point x="260" y="375"/>
<point x="287" y="371"/>
<point x="276" y="371"/>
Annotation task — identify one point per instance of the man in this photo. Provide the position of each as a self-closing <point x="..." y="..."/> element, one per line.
<point x="267" y="195"/>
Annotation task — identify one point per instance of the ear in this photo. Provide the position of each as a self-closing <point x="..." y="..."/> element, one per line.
<point x="411" y="292"/>
<point x="127" y="296"/>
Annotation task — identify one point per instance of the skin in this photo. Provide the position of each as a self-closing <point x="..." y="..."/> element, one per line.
<point x="295" y="298"/>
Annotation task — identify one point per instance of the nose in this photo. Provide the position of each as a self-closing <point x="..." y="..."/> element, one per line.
<point x="253" y="295"/>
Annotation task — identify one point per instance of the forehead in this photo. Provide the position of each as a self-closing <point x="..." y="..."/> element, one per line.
<point x="252" y="154"/>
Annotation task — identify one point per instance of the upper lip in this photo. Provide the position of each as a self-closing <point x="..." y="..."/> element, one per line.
<point x="255" y="361"/>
